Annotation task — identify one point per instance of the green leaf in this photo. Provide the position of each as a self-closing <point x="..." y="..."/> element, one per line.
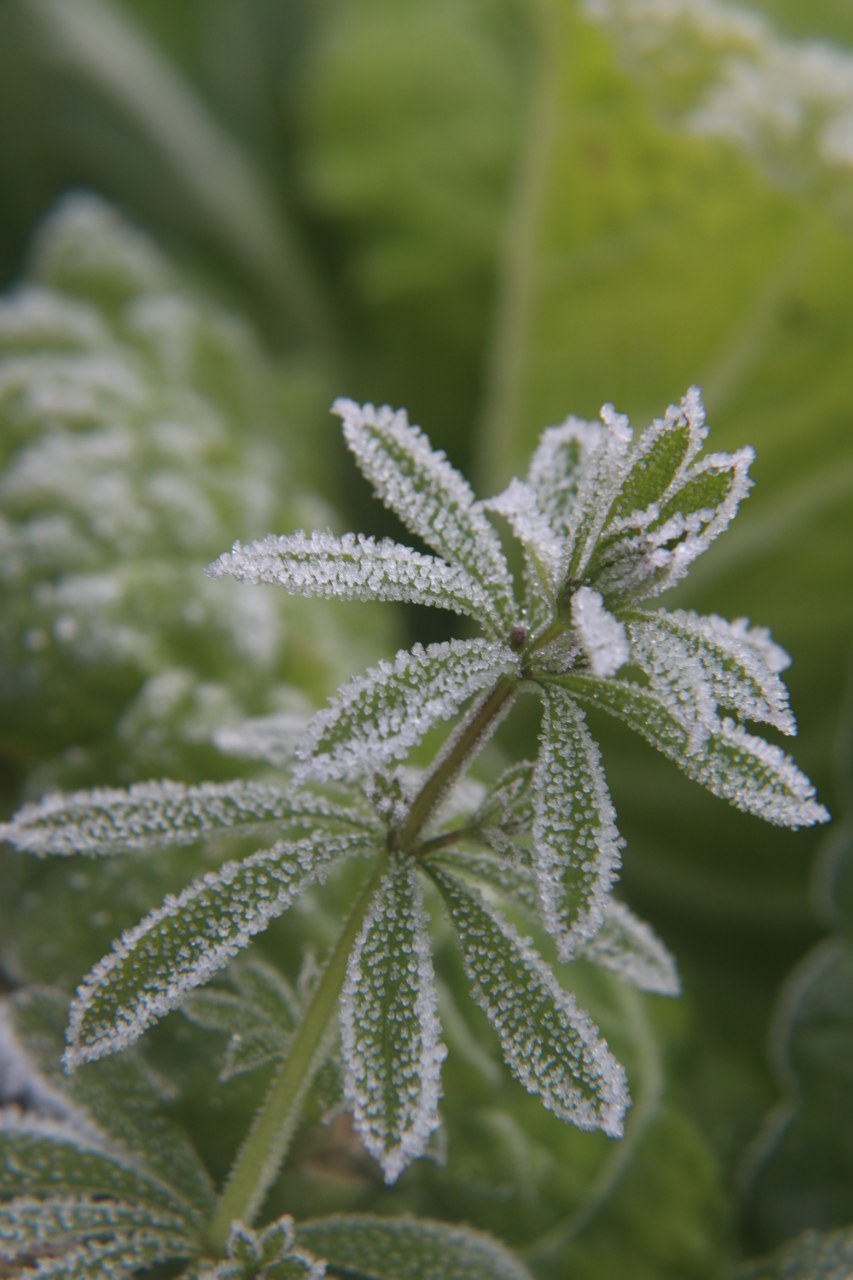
<point x="31" y="1226"/>
<point x="122" y="1255"/>
<point x="815" y="1255"/>
<point x="376" y="718"/>
<point x="152" y="815"/>
<point x="44" y="1157"/>
<point x="576" y="843"/>
<point x="356" y="567"/>
<point x="391" y="1039"/>
<point x="370" y="1248"/>
<point x="184" y="941"/>
<point x="751" y="774"/>
<point x="431" y="498"/>
<point x="549" y="1044"/>
<point x="662" y="452"/>
<point x="117" y="1101"/>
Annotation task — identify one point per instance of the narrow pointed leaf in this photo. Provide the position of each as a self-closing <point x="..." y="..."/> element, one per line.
<point x="599" y="485"/>
<point x="33" y="1226"/>
<point x="429" y="495"/>
<point x="557" y="467"/>
<point x="153" y="814"/>
<point x="355" y="567"/>
<point x="628" y="947"/>
<point x="815" y="1255"/>
<point x="549" y="1044"/>
<point x="375" y="719"/>
<point x="734" y="667"/>
<point x="184" y="941"/>
<point x="750" y="773"/>
<point x="391" y="1040"/>
<point x="576" y="843"/>
<point x="544" y="550"/>
<point x="369" y="1248"/>
<point x="118" y="1258"/>
<point x="44" y="1157"/>
<point x="118" y="1100"/>
<point x="661" y="453"/>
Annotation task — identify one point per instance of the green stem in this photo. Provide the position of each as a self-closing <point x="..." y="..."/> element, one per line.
<point x="260" y="1157"/>
<point x="451" y="762"/>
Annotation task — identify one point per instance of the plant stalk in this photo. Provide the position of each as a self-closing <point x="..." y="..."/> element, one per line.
<point x="265" y="1147"/>
<point x="454" y="759"/>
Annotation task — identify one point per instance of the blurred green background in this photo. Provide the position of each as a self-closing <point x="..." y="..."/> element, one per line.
<point x="493" y="212"/>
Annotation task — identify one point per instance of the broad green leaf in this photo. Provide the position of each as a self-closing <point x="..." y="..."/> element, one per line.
<point x="391" y="1039"/>
<point x="815" y="1255"/>
<point x="30" y="1226"/>
<point x="430" y="496"/>
<point x="376" y="718"/>
<point x="370" y="1248"/>
<point x="117" y="1101"/>
<point x="184" y="941"/>
<point x="575" y="841"/>
<point x="549" y="1044"/>
<point x="43" y="1157"/>
<point x="751" y="774"/>
<point x="355" y="567"/>
<point x="119" y="1257"/>
<point x="150" y="815"/>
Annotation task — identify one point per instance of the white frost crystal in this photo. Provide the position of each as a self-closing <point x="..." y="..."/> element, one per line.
<point x="603" y="639"/>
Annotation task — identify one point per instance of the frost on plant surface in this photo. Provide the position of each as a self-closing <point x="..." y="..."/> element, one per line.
<point x="607" y="522"/>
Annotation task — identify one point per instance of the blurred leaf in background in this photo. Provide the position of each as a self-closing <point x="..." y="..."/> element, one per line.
<point x="497" y="214"/>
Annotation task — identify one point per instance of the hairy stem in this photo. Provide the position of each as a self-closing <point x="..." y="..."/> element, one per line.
<point x="267" y="1142"/>
<point x="480" y="725"/>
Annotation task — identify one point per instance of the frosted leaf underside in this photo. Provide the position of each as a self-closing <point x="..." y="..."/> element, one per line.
<point x="403" y="1248"/>
<point x="185" y="940"/>
<point x="429" y="495"/>
<point x="576" y="843"/>
<point x="153" y="814"/>
<point x="391" y="1040"/>
<point x="751" y="774"/>
<point x="549" y="1044"/>
<point x="356" y="567"/>
<point x="376" y="718"/>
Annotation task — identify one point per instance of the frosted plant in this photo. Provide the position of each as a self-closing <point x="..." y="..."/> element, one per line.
<point x="606" y="523"/>
<point x="731" y="74"/>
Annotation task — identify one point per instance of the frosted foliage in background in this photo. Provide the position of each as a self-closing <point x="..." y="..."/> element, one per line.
<point x="730" y="73"/>
<point x="389" y="1022"/>
<point x="134" y="418"/>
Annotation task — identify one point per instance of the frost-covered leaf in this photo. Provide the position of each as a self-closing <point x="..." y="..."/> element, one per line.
<point x="118" y="1103"/>
<point x="815" y="1255"/>
<point x="557" y="466"/>
<point x="599" y="483"/>
<point x="119" y="1257"/>
<point x="259" y="1016"/>
<point x="391" y="1040"/>
<point x="355" y="567"/>
<point x="369" y="1248"/>
<point x="602" y="637"/>
<point x="507" y="810"/>
<point x="149" y="815"/>
<point x="751" y="774"/>
<point x="660" y="455"/>
<point x="576" y="843"/>
<point x="628" y="946"/>
<point x="429" y="495"/>
<point x="40" y="1156"/>
<point x="184" y="941"/>
<point x="739" y="664"/>
<point x="31" y="1226"/>
<point x="549" y="1044"/>
<point x="272" y="738"/>
<point x="375" y="719"/>
<point x="544" y="549"/>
